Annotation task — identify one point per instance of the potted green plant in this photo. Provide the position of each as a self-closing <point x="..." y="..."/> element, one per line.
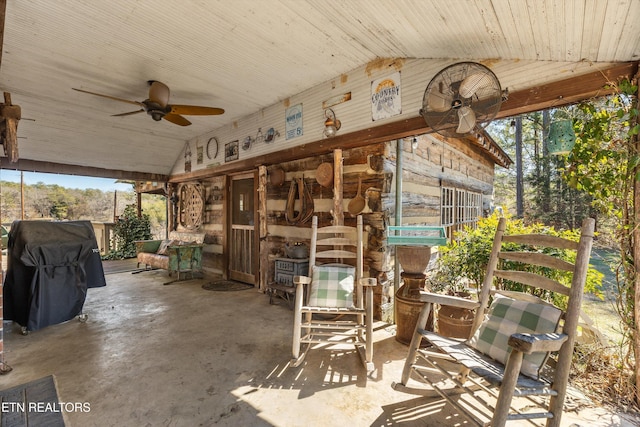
<point x="462" y="264"/>
<point x="451" y="321"/>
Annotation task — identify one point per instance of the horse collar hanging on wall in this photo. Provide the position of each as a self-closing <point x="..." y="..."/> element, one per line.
<point x="306" y="202"/>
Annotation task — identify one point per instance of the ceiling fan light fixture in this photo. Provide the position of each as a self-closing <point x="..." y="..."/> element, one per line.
<point x="331" y="124"/>
<point x="156" y="115"/>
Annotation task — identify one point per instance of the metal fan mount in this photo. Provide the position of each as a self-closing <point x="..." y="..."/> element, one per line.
<point x="460" y="98"/>
<point x="158" y="107"/>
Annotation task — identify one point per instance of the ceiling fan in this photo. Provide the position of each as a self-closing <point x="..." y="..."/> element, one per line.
<point x="158" y="107"/>
<point x="460" y="98"/>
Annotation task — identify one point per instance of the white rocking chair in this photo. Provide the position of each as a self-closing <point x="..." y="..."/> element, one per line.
<point x="335" y="289"/>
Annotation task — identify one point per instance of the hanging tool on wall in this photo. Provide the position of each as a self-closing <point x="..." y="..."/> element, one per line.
<point x="308" y="206"/>
<point x="299" y="189"/>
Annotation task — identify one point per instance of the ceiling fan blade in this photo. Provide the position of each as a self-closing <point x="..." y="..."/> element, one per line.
<point x="127" y="114"/>
<point x="109" y="97"/>
<point x="159" y="93"/>
<point x="177" y="119"/>
<point x="467" y="120"/>
<point x="471" y="84"/>
<point x="194" y="110"/>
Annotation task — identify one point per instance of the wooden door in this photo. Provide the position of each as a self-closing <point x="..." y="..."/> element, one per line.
<point x="243" y="227"/>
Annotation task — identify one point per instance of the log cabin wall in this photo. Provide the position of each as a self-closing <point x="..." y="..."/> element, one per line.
<point x="368" y="151"/>
<point x="363" y="163"/>
<point x="434" y="163"/>
<point x="430" y="164"/>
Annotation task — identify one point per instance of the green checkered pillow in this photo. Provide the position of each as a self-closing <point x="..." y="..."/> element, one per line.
<point x="508" y="316"/>
<point x="332" y="286"/>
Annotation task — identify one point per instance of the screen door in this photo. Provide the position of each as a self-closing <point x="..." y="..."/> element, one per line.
<point x="242" y="236"/>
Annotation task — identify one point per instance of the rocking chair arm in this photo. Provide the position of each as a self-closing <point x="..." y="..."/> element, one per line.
<point x="369" y="281"/>
<point x="304" y="280"/>
<point x="448" y="300"/>
<point x="534" y="343"/>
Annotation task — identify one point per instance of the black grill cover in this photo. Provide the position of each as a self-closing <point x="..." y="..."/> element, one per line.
<point x="50" y="266"/>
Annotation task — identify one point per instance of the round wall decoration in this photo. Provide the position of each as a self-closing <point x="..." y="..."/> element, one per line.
<point x="191" y="207"/>
<point x="213" y="141"/>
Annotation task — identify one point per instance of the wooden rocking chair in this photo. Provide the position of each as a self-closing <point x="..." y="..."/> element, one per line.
<point x="335" y="290"/>
<point x="507" y="354"/>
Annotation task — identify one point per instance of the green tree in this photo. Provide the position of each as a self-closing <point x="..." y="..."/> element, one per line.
<point x="547" y="197"/>
<point x="605" y="163"/>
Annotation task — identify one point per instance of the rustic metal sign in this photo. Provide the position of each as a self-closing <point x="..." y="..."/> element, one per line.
<point x="386" y="100"/>
<point x="293" y="121"/>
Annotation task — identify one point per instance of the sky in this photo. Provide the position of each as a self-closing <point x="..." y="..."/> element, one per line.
<point x="67" y="181"/>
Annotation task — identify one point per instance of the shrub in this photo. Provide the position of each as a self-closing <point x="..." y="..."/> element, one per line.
<point x="462" y="263"/>
<point x="127" y="229"/>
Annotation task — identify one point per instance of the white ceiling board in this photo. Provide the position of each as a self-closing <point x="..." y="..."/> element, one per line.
<point x="245" y="56"/>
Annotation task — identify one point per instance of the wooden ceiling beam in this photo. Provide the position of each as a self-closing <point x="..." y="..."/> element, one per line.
<point x="567" y="91"/>
<point x="88" y="171"/>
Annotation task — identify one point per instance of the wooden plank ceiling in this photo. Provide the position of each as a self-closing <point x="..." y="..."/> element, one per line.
<point x="246" y="55"/>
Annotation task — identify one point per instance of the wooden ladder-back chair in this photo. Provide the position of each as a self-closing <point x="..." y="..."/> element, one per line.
<point x="335" y="290"/>
<point x="506" y="356"/>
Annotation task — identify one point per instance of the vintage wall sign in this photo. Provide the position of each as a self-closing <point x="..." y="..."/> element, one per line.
<point x="231" y="151"/>
<point x="385" y="97"/>
<point x="293" y="121"/>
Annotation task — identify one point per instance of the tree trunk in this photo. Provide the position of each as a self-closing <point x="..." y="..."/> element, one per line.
<point x="519" y="170"/>
<point x="546" y="167"/>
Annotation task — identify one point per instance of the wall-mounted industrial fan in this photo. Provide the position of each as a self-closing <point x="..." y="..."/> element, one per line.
<point x="461" y="97"/>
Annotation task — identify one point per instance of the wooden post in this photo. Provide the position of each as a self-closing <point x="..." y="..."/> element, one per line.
<point x="398" y="215"/>
<point x="21" y="195"/>
<point x="338" y="212"/>
<point x="263" y="260"/>
<point x="115" y="205"/>
<point x="139" y="200"/>
<point x="11" y="114"/>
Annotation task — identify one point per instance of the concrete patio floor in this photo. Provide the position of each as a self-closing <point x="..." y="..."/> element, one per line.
<point x="178" y="355"/>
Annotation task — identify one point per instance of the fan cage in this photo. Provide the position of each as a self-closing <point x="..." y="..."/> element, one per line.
<point x="485" y="102"/>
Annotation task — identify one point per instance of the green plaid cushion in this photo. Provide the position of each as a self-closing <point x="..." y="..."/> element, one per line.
<point x="332" y="286"/>
<point x="506" y="317"/>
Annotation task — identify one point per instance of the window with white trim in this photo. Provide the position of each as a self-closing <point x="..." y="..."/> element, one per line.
<point x="458" y="208"/>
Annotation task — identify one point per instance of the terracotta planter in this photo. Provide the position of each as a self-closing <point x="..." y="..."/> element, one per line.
<point x="407" y="310"/>
<point x="455" y="322"/>
<point x="414" y="259"/>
